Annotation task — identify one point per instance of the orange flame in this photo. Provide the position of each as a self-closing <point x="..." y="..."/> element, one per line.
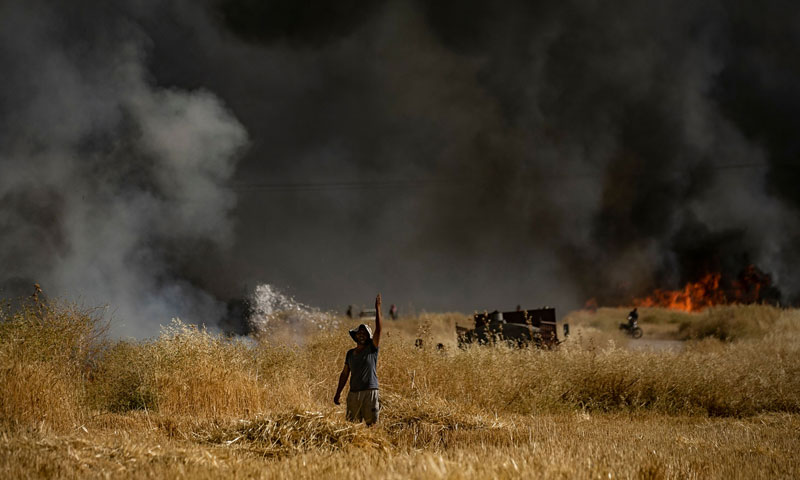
<point x="751" y="284"/>
<point x="693" y="297"/>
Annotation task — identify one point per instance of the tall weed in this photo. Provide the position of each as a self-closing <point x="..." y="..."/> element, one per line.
<point x="47" y="351"/>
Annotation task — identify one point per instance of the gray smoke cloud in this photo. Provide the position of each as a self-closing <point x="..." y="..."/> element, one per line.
<point x="586" y="150"/>
<point x="453" y="155"/>
<point x="105" y="174"/>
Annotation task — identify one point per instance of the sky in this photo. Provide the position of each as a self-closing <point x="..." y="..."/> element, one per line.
<point x="167" y="157"/>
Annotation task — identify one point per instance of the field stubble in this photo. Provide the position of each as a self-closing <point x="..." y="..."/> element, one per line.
<point x="192" y="404"/>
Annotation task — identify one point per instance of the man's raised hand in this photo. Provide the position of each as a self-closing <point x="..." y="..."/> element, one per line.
<point x="376" y="337"/>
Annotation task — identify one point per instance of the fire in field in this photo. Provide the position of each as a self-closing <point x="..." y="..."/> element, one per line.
<point x="319" y="239"/>
<point x="752" y="286"/>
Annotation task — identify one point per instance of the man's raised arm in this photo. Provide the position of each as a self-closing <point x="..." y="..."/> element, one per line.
<point x="376" y="339"/>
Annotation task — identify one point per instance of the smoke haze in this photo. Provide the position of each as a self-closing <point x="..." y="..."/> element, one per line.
<point x="165" y="157"/>
<point x="105" y="173"/>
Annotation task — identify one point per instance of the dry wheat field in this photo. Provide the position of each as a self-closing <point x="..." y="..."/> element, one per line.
<point x="191" y="404"/>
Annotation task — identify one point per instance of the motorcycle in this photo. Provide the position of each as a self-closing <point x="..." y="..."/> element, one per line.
<point x="632" y="329"/>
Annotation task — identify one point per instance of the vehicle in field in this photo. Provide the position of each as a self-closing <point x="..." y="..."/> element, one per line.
<point x="519" y="328"/>
<point x="631" y="329"/>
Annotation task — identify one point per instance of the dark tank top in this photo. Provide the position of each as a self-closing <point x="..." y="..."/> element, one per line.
<point x="362" y="368"/>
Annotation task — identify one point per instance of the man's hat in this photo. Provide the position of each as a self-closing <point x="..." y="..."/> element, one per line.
<point x="365" y="327"/>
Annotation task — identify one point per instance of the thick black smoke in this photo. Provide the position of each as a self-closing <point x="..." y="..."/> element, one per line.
<point x="454" y="155"/>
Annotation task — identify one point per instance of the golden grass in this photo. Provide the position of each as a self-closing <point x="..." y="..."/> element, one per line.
<point x="46" y="353"/>
<point x="724" y="322"/>
<point x="193" y="404"/>
<point x="576" y="445"/>
<point x="736" y="322"/>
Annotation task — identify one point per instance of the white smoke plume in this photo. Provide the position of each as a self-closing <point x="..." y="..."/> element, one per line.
<point x="106" y="177"/>
<point x="270" y="308"/>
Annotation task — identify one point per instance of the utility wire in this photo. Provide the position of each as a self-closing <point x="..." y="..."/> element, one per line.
<point x="344" y="185"/>
<point x="442" y="183"/>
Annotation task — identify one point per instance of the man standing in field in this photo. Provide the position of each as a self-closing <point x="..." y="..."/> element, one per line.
<point x="360" y="365"/>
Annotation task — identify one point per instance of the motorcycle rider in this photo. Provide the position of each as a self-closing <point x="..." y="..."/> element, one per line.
<point x="633" y="318"/>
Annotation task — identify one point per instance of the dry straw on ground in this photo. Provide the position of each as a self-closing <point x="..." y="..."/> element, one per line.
<point x="192" y="404"/>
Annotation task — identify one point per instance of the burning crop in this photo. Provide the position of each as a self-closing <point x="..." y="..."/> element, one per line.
<point x="751" y="286"/>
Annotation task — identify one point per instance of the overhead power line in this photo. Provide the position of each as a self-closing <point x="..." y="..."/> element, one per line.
<point x="446" y="183"/>
<point x="342" y="185"/>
